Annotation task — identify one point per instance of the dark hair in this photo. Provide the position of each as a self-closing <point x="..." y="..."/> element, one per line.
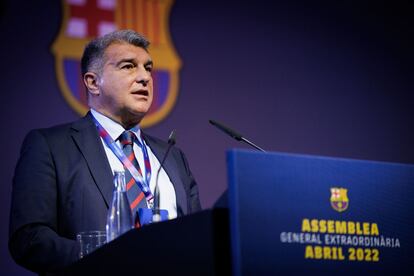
<point x="92" y="58"/>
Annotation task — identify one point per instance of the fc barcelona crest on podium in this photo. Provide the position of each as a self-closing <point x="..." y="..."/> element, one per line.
<point x="339" y="199"/>
<point x="84" y="20"/>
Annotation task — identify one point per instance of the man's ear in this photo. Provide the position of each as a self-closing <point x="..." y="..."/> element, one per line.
<point x="91" y="81"/>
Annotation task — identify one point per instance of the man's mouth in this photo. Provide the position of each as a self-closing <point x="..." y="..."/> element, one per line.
<point x="141" y="93"/>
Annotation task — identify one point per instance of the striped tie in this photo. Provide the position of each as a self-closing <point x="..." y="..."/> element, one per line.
<point x="135" y="196"/>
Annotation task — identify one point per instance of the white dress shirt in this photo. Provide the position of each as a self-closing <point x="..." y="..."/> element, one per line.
<point x="168" y="199"/>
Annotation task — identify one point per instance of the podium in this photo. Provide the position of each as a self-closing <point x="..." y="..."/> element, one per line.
<point x="197" y="244"/>
<point x="296" y="214"/>
<point x="286" y="214"/>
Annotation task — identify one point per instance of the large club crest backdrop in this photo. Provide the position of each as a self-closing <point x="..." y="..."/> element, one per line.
<point x="86" y="19"/>
<point x="330" y="78"/>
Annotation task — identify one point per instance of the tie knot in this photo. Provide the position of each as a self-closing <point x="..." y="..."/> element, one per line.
<point x="127" y="138"/>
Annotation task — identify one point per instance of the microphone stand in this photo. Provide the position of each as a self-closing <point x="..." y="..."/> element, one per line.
<point x="156" y="217"/>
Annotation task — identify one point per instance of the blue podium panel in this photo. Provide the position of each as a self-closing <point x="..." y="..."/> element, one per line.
<point x="304" y="215"/>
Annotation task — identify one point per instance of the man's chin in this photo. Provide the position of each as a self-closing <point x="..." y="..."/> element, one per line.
<point x="140" y="112"/>
<point x="132" y="118"/>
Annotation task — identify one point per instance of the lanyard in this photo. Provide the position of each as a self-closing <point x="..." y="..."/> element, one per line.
<point x="142" y="183"/>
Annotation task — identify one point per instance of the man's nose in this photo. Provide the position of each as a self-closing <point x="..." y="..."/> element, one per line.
<point x="143" y="76"/>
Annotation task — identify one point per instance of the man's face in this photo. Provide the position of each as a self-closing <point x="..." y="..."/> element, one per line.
<point x="125" y="84"/>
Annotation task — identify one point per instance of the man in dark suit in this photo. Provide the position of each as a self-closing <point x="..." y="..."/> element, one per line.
<point x="63" y="180"/>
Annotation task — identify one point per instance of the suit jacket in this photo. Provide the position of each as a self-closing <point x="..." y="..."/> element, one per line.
<point x="63" y="185"/>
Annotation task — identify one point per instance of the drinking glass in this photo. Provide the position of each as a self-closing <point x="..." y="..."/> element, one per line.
<point x="90" y="241"/>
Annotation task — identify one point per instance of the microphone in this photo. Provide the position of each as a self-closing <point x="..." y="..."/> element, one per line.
<point x="156" y="217"/>
<point x="234" y="134"/>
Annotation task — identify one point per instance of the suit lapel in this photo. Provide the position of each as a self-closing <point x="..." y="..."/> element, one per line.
<point x="170" y="168"/>
<point x="86" y="137"/>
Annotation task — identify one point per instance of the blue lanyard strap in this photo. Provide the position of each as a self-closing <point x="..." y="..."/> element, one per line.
<point x="147" y="163"/>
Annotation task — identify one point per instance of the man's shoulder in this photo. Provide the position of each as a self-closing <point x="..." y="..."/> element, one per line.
<point x="60" y="130"/>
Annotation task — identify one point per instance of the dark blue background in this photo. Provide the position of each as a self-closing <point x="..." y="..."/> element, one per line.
<point x="318" y="77"/>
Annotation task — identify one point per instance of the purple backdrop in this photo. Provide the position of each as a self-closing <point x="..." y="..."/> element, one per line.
<point x="319" y="77"/>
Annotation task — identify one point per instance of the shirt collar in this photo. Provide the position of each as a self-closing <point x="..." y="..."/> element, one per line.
<point x="113" y="128"/>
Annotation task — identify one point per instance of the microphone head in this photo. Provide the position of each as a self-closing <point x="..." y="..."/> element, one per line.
<point x="234" y="134"/>
<point x="171" y="138"/>
<point x="227" y="130"/>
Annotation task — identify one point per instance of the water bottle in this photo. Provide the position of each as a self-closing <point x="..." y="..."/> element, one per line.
<point x="119" y="218"/>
